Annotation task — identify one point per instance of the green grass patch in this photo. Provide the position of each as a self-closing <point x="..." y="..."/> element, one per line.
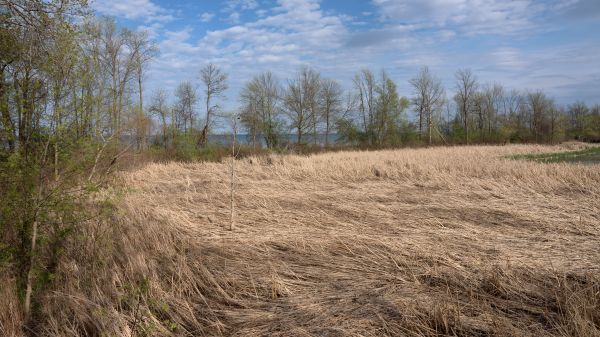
<point x="587" y="156"/>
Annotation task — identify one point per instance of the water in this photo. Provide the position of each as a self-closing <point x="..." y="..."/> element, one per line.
<point x="246" y="139"/>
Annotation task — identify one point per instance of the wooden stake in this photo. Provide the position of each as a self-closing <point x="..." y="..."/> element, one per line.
<point x="233" y="172"/>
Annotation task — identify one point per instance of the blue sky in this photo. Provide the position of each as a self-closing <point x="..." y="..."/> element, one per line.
<point x="524" y="44"/>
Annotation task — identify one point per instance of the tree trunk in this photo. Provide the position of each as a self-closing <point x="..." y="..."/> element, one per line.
<point x="7" y="122"/>
<point x="429" y="126"/>
<point x="141" y="127"/>
<point x="204" y="135"/>
<point x="466" y="121"/>
<point x="327" y="129"/>
<point x="420" y="122"/>
<point x="29" y="285"/>
<point x="57" y="120"/>
<point x="314" y="125"/>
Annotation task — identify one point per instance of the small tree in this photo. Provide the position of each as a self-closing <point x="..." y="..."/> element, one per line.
<point x="160" y="108"/>
<point x="185" y="105"/>
<point x="428" y="100"/>
<point x="215" y="84"/>
<point x="365" y="85"/>
<point x="301" y="104"/>
<point x="466" y="86"/>
<point x="330" y="100"/>
<point x="261" y="108"/>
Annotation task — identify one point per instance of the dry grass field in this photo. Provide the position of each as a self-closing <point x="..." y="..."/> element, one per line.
<point x="417" y="242"/>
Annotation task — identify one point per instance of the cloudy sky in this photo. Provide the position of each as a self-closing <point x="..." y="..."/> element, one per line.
<point x="551" y="45"/>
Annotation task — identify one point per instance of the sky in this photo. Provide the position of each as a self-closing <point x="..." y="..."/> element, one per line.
<point x="549" y="45"/>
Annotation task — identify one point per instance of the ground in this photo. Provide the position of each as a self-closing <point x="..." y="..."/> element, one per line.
<point x="459" y="241"/>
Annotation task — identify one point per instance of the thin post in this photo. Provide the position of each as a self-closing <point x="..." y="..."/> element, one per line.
<point x="233" y="171"/>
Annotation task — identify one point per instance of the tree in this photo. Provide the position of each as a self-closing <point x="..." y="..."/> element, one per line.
<point x="387" y="112"/>
<point x="330" y="99"/>
<point x="578" y="113"/>
<point x="160" y="108"/>
<point x="296" y="107"/>
<point x="215" y="84"/>
<point x="120" y="63"/>
<point x="43" y="150"/>
<point x="364" y="84"/>
<point x="260" y="98"/>
<point x="311" y="84"/>
<point x="300" y="102"/>
<point x="539" y="108"/>
<point x="492" y="98"/>
<point x="514" y="122"/>
<point x="185" y="106"/>
<point x="143" y="51"/>
<point x="466" y="86"/>
<point x="428" y="99"/>
<point x="557" y="119"/>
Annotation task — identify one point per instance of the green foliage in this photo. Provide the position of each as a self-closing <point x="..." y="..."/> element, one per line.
<point x="589" y="155"/>
<point x="186" y="147"/>
<point x="591" y="129"/>
<point x="272" y="133"/>
<point x="349" y="133"/>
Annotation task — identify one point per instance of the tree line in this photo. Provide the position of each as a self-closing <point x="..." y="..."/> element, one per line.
<point x="372" y="112"/>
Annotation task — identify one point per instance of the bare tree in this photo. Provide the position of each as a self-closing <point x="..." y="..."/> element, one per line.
<point x="428" y="100"/>
<point x="540" y="107"/>
<point x="556" y="119"/>
<point x="160" y="108"/>
<point x="143" y="50"/>
<point x="466" y="86"/>
<point x="301" y="102"/>
<point x="250" y="118"/>
<point x="491" y="101"/>
<point x="120" y="63"/>
<point x="260" y="113"/>
<point x="331" y="104"/>
<point x="577" y="112"/>
<point x="365" y="84"/>
<point x="311" y="84"/>
<point x="185" y="105"/>
<point x="296" y="107"/>
<point x="215" y="84"/>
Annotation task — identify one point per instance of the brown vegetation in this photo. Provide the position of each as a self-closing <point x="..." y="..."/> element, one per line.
<point x="417" y="242"/>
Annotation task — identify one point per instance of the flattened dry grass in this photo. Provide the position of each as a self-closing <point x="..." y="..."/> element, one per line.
<point x="425" y="242"/>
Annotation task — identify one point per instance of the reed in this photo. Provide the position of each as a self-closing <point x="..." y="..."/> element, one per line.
<point x="458" y="241"/>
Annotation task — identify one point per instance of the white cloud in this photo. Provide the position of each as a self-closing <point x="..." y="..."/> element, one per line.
<point x="278" y="36"/>
<point x="471" y="16"/>
<point x="507" y="58"/>
<point x="242" y="5"/>
<point x="207" y="17"/>
<point x="293" y="33"/>
<point x="261" y="12"/>
<point x="152" y="29"/>
<point x="297" y="32"/>
<point x="234" y="17"/>
<point x="144" y="10"/>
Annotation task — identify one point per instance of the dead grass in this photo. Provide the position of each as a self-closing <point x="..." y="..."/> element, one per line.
<point x="425" y="242"/>
<point x="10" y="313"/>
